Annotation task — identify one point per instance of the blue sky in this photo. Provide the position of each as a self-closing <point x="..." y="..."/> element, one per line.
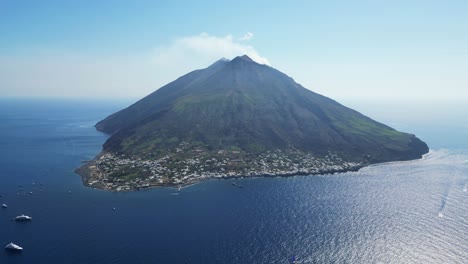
<point x="342" y="49"/>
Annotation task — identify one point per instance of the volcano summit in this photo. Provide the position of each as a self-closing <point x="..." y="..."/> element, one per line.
<point x="238" y="118"/>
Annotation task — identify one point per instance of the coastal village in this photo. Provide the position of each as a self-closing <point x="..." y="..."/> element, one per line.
<point x="188" y="166"/>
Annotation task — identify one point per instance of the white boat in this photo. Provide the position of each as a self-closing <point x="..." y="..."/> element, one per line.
<point x="4" y="206"/>
<point x="23" y="218"/>
<point x="12" y="246"/>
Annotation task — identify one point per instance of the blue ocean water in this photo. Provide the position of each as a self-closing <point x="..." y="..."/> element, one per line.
<point x="402" y="212"/>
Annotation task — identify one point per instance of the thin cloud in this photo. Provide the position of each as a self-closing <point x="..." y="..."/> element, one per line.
<point x="248" y="36"/>
<point x="206" y="48"/>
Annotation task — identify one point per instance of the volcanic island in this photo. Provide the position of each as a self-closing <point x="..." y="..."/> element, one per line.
<point x="237" y="118"/>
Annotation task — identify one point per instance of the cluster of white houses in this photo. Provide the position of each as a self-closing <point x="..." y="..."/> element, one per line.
<point x="121" y="173"/>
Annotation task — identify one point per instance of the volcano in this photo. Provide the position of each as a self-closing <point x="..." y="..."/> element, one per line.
<point x="233" y="118"/>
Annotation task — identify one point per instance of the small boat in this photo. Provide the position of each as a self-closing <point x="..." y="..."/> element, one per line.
<point x="178" y="189"/>
<point x="13" y="247"/>
<point x="4" y="206"/>
<point x="23" y="218"/>
<point x="236" y="185"/>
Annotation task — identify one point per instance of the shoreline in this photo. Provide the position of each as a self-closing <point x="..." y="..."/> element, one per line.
<point x="87" y="170"/>
<point x="110" y="172"/>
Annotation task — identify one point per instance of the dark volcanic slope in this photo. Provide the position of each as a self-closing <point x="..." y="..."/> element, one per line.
<point x="256" y="108"/>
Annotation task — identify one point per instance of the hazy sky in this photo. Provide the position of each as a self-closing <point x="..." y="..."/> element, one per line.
<point x="342" y="49"/>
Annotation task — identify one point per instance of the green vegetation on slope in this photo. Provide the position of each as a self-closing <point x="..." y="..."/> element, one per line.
<point x="252" y="108"/>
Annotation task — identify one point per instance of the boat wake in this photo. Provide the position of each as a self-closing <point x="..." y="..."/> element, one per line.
<point x="444" y="203"/>
<point x="455" y="163"/>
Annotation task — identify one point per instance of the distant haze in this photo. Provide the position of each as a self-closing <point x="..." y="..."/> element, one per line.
<point x="368" y="50"/>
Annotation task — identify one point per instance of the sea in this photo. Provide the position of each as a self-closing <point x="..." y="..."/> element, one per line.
<point x="399" y="212"/>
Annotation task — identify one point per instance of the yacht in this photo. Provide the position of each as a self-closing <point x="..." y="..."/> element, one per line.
<point x="4" y="206"/>
<point x="12" y="246"/>
<point x="23" y="218"/>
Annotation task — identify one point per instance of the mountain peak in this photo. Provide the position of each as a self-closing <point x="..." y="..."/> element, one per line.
<point x="243" y="61"/>
<point x="221" y="61"/>
<point x="243" y="58"/>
